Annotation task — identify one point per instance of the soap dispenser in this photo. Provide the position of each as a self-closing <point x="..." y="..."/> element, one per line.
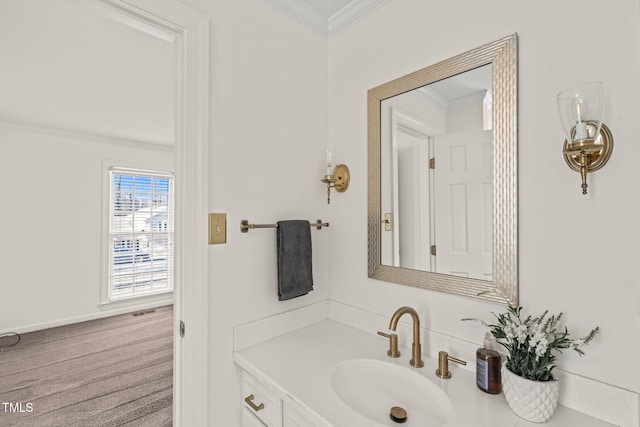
<point x="488" y="365"/>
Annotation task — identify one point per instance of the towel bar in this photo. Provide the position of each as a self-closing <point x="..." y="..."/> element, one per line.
<point x="245" y="226"/>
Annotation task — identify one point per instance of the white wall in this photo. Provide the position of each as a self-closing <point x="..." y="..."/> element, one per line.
<point x="268" y="133"/>
<point x="51" y="222"/>
<point x="78" y="88"/>
<point x="578" y="254"/>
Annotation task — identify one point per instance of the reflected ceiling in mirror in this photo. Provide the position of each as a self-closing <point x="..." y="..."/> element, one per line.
<point x="442" y="175"/>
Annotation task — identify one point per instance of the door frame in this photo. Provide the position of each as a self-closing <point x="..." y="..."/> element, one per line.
<point x="403" y="122"/>
<point x="189" y="30"/>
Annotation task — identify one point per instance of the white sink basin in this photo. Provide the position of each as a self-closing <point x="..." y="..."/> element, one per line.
<point x="372" y="388"/>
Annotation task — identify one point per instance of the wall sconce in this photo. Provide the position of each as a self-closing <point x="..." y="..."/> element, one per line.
<point x="589" y="142"/>
<point x="335" y="177"/>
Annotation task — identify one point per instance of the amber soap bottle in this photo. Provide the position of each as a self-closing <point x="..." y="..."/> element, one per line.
<point x="488" y="365"/>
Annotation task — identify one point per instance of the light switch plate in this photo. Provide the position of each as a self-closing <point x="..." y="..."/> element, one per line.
<point x="217" y="228"/>
<point x="387" y="222"/>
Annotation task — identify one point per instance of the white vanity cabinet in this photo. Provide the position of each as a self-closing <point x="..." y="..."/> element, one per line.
<point x="262" y="407"/>
<point x="296" y="418"/>
<point x="250" y="420"/>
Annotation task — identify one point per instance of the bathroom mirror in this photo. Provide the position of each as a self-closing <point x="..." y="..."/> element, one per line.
<point x="442" y="159"/>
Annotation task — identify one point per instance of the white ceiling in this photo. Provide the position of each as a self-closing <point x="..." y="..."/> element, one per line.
<point x="327" y="17"/>
<point x="70" y="67"/>
<point x="469" y="83"/>
<point x="327" y="7"/>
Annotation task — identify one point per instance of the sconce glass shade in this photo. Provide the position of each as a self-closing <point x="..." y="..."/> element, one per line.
<point x="330" y="154"/>
<point x="589" y="143"/>
<point x="336" y="176"/>
<point x="581" y="108"/>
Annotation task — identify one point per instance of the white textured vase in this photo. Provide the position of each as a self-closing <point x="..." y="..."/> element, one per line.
<point x="532" y="400"/>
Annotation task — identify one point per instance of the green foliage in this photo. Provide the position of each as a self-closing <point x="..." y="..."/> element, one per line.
<point x="532" y="344"/>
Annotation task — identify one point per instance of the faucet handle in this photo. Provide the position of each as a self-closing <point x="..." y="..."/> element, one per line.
<point x="443" y="364"/>
<point x="393" y="344"/>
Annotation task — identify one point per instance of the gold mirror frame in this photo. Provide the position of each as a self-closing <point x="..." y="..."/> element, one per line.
<point x="502" y="54"/>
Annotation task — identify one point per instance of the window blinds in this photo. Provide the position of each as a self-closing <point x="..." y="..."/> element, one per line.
<point x="141" y="233"/>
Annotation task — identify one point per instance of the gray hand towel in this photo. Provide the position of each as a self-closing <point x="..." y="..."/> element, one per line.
<point x="295" y="277"/>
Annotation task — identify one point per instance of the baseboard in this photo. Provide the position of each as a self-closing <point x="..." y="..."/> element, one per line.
<point x="93" y="316"/>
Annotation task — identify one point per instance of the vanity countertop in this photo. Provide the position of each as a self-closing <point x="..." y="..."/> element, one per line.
<point x="298" y="367"/>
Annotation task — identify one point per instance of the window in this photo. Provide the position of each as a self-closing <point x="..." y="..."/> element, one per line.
<point x="140" y="238"/>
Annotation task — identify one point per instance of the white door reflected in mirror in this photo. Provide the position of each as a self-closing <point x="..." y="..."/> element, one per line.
<point x="437" y="176"/>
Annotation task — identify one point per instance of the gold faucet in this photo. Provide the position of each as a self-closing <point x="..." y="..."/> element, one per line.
<point x="416" y="348"/>
<point x="443" y="364"/>
<point x="393" y="344"/>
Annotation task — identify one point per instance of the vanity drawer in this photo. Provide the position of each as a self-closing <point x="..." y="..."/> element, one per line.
<point x="261" y="402"/>
<point x="295" y="418"/>
<point x="250" y="420"/>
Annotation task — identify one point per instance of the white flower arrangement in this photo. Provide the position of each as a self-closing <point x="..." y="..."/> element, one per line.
<point x="531" y="342"/>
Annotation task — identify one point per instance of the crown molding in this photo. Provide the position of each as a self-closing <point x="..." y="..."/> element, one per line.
<point x="352" y="13"/>
<point x="67" y="132"/>
<point x="327" y="27"/>
<point x="303" y="13"/>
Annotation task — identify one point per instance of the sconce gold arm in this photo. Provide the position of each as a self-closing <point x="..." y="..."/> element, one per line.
<point x="591" y="155"/>
<point x="338" y="180"/>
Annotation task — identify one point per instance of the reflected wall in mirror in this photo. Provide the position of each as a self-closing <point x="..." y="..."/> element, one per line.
<point x="442" y="175"/>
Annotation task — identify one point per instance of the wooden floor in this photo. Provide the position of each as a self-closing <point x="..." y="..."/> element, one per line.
<point x="116" y="371"/>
